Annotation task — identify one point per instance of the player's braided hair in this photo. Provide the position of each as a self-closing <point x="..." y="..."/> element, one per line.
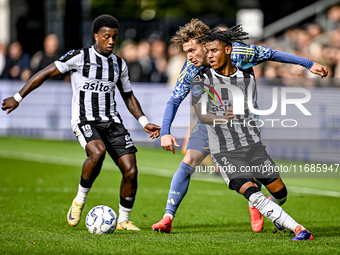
<point x="104" y="20"/>
<point x="233" y="34"/>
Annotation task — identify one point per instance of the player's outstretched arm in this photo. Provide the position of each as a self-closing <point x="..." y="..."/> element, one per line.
<point x="135" y="109"/>
<point x="11" y="103"/>
<point x="313" y="67"/>
<point x="168" y="142"/>
<point x="247" y="56"/>
<point x="319" y="70"/>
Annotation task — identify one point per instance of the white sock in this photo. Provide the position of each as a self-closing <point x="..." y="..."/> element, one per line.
<point x="82" y="194"/>
<point x="124" y="213"/>
<point x="272" y="211"/>
<point x="274" y="199"/>
<point x="170" y="215"/>
<point x="271" y="197"/>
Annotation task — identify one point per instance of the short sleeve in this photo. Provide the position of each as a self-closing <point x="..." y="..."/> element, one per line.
<point x="125" y="79"/>
<point x="69" y="61"/>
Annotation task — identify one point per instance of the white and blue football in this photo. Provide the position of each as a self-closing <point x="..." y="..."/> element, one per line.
<point x="101" y="219"/>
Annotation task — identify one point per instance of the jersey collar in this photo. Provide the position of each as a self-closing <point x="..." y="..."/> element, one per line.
<point x="100" y="55"/>
<point x="231" y="75"/>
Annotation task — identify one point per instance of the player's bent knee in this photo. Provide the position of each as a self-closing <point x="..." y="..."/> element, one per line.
<point x="96" y="151"/>
<point x="272" y="184"/>
<point x="98" y="156"/>
<point x="186" y="158"/>
<point x="193" y="158"/>
<point x="281" y="195"/>
<point x="237" y="183"/>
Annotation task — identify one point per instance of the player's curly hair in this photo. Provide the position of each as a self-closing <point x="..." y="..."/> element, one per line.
<point x="233" y="34"/>
<point x="195" y="28"/>
<point x="104" y="20"/>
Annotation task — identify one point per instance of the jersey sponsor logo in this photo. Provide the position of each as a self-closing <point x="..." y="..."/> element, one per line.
<point x="195" y="128"/>
<point x="116" y="68"/>
<point x="211" y="95"/>
<point x="93" y="64"/>
<point x="128" y="142"/>
<point x="268" y="163"/>
<point x="197" y="79"/>
<point x="221" y="108"/>
<point x="196" y="90"/>
<point x="238" y="100"/>
<point x="96" y="86"/>
<point x="68" y="53"/>
<point x="87" y="130"/>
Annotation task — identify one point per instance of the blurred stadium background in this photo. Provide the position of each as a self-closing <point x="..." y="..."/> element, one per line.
<point x="35" y="32"/>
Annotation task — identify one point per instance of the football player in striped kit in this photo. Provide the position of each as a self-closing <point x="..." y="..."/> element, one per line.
<point x="95" y="74"/>
<point x="236" y="146"/>
<point x="243" y="56"/>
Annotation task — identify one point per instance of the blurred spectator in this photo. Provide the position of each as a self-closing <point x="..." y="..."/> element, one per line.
<point x="17" y="63"/>
<point x="302" y="41"/>
<point x="176" y="61"/>
<point x="48" y="55"/>
<point x="128" y="51"/>
<point x="159" y="62"/>
<point x="287" y="41"/>
<point x="331" y="20"/>
<point x="2" y="57"/>
<point x="334" y="38"/>
<point x="143" y="55"/>
<point x="315" y="32"/>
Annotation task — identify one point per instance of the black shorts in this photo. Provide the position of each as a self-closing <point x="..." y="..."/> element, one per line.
<point x="116" y="138"/>
<point x="249" y="162"/>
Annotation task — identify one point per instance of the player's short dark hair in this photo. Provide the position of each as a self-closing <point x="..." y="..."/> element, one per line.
<point x="233" y="34"/>
<point x="104" y="20"/>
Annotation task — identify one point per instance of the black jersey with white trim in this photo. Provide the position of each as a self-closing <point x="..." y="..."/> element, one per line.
<point x="210" y="88"/>
<point x="94" y="78"/>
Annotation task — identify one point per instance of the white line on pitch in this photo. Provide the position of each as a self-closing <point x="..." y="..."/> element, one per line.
<point x="33" y="157"/>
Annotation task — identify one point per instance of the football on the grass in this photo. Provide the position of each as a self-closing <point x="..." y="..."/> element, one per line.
<point x="101" y="219"/>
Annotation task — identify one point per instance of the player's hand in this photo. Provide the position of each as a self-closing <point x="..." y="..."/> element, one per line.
<point x="9" y="104"/>
<point x="229" y="114"/>
<point x="153" y="130"/>
<point x="155" y="134"/>
<point x="319" y="70"/>
<point x="168" y="142"/>
<point x="206" y="149"/>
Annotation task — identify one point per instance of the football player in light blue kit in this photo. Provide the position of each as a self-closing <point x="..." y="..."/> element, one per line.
<point x="244" y="57"/>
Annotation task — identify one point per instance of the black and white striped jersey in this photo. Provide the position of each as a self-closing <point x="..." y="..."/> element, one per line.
<point x="216" y="92"/>
<point x="94" y="78"/>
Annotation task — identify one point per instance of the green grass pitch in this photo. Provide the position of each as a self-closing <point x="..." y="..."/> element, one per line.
<point x="39" y="179"/>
